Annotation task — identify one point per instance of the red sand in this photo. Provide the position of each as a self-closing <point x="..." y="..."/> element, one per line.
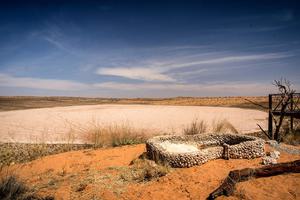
<point x="61" y="174"/>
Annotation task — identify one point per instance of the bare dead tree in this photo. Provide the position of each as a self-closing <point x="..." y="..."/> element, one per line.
<point x="286" y="93"/>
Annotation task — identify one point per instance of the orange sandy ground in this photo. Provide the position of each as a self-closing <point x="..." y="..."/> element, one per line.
<point x="62" y="174"/>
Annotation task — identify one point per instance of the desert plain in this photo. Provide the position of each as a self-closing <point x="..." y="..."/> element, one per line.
<point x="106" y="173"/>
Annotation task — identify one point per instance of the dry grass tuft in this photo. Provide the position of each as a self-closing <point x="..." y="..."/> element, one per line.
<point x="95" y="136"/>
<point x="196" y="127"/>
<point x="289" y="136"/>
<point x="292" y="138"/>
<point x="115" y="135"/>
<point x="143" y="170"/>
<point x="223" y="126"/>
<point x="13" y="189"/>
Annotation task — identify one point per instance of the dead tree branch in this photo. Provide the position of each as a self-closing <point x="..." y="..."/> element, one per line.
<point x="228" y="186"/>
<point x="256" y="104"/>
<point x="284" y="87"/>
<point x="264" y="131"/>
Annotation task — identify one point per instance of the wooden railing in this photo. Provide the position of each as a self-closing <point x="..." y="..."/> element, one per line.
<point x="292" y="110"/>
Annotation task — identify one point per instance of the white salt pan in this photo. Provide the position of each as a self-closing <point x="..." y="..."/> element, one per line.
<point x="178" y="148"/>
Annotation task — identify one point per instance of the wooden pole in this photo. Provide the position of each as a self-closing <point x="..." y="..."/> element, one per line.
<point x="292" y="118"/>
<point x="270" y="121"/>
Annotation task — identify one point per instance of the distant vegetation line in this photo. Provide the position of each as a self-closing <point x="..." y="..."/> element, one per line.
<point x="8" y="103"/>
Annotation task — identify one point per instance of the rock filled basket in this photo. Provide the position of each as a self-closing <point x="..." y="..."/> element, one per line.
<point x="191" y="150"/>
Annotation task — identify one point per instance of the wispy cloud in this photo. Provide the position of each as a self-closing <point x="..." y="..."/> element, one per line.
<point x="134" y="90"/>
<point x="56" y="43"/>
<point x="146" y="74"/>
<point x="38" y="83"/>
<point x="230" y="59"/>
<point x="156" y="70"/>
<point x="55" y="35"/>
<point x="221" y="88"/>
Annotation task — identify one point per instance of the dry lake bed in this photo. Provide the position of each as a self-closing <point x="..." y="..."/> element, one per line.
<point x="59" y="124"/>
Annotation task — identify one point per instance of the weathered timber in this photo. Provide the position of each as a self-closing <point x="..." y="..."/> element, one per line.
<point x="293" y="114"/>
<point x="228" y="186"/>
<point x="286" y="106"/>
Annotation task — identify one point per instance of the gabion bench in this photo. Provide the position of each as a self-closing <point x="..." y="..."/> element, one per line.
<point x="191" y="150"/>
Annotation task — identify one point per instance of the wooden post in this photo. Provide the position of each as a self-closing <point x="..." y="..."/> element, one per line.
<point x="270" y="121"/>
<point x="292" y="118"/>
<point x="226" y="155"/>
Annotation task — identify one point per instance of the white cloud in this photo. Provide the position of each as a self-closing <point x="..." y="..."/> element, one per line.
<point x="160" y="70"/>
<point x="37" y="83"/>
<point x="157" y="69"/>
<point x="243" y="58"/>
<point x="230" y="88"/>
<point x="229" y="59"/>
<point x="211" y="88"/>
<point x="146" y="74"/>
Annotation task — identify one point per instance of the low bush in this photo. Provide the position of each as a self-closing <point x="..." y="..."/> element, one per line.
<point x="143" y="170"/>
<point x="288" y="135"/>
<point x="115" y="135"/>
<point x="196" y="127"/>
<point x="223" y="126"/>
<point x="292" y="138"/>
<point x="13" y="189"/>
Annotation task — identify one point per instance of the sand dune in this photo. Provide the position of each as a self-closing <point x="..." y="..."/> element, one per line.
<point x="56" y="124"/>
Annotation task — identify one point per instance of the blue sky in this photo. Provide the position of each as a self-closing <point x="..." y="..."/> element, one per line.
<point x="148" y="48"/>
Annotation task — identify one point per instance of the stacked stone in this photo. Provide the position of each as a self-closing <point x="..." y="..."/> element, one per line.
<point x="271" y="158"/>
<point x="237" y="146"/>
<point x="247" y="150"/>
